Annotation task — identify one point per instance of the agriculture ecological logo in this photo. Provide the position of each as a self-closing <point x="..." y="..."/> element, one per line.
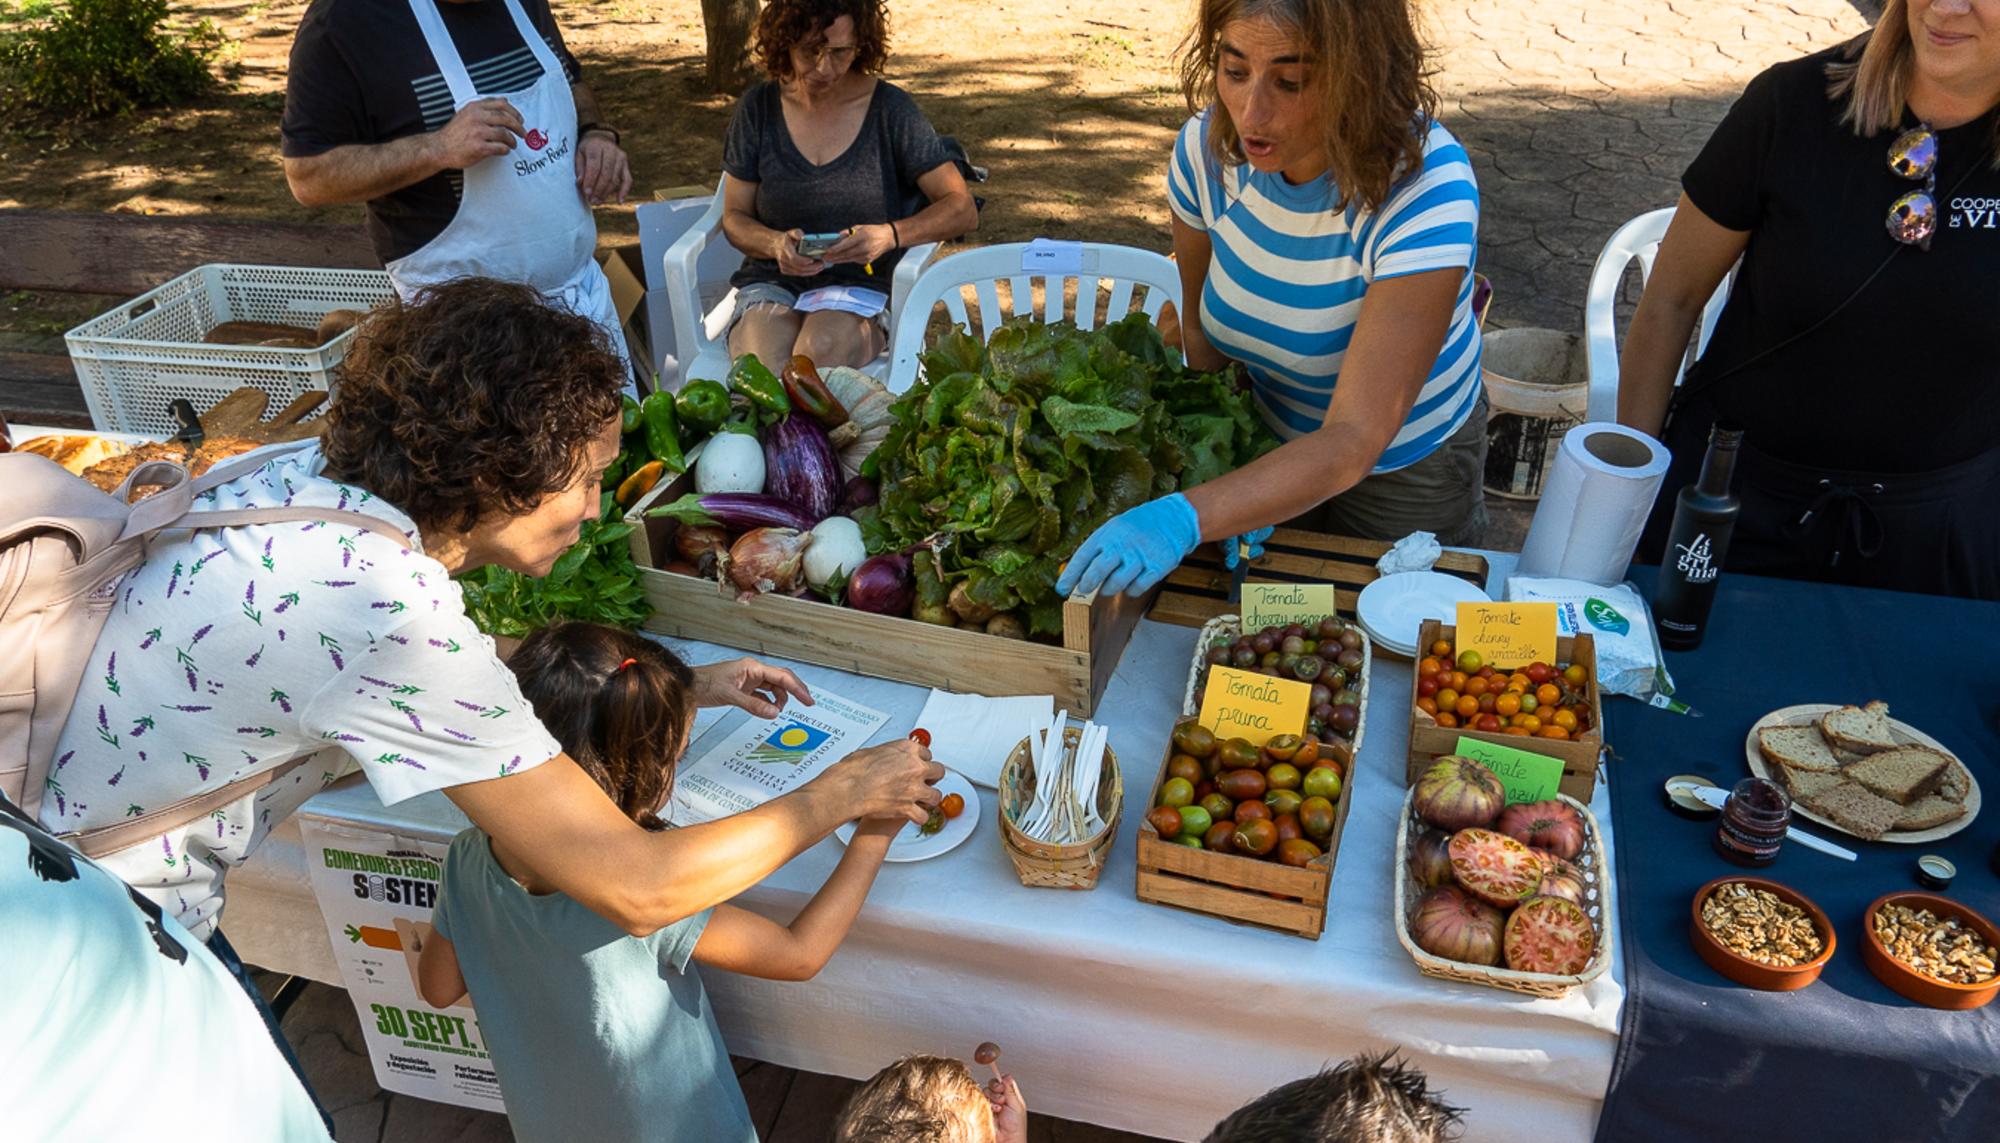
<point x="788" y="744"/>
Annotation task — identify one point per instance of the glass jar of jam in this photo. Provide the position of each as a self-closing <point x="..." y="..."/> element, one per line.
<point x="1753" y="823"/>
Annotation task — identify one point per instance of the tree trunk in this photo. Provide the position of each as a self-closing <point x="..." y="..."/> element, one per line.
<point x="728" y="24"/>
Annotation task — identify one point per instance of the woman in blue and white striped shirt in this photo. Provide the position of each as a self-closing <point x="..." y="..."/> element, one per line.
<point x="1325" y="225"/>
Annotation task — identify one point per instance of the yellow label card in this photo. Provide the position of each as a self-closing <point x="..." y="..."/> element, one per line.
<point x="1277" y="604"/>
<point x="1508" y="634"/>
<point x="1244" y="704"/>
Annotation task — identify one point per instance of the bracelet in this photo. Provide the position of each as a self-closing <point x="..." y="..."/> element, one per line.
<point x="587" y="128"/>
<point x="897" y="238"/>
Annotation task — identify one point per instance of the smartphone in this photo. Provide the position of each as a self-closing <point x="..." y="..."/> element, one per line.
<point x="816" y="245"/>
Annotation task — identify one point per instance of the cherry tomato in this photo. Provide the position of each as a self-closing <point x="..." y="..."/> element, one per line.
<point x="1528" y="722"/>
<point x="1575" y="674"/>
<point x="1488" y="702"/>
<point x="1529" y="704"/>
<point x="1427" y="704"/>
<point x="1458" y="681"/>
<point x="1441" y="648"/>
<point x="1507" y="705"/>
<point x="1539" y="672"/>
<point x="1447" y="720"/>
<point x="921" y="737"/>
<point x="1487" y="672"/>
<point x="1548" y="693"/>
<point x="952" y="805"/>
<point x="1470" y="661"/>
<point x="1515" y="731"/>
<point x="1487" y="722"/>
<point x="1429" y="666"/>
<point x="1447" y="699"/>
<point x="1563" y="718"/>
<point x="1467" y="706"/>
<point x="1427" y="686"/>
<point x="1552" y="732"/>
<point x="1475" y="686"/>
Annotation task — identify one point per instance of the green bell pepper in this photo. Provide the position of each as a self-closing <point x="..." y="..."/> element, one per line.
<point x="754" y="380"/>
<point x="663" y="439"/>
<point x="702" y="406"/>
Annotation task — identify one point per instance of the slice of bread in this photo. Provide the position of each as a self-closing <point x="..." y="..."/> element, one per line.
<point x="1808" y="783"/>
<point x="1852" y="807"/>
<point x="1858" y="729"/>
<point x="1901" y="775"/>
<point x="1796" y="748"/>
<point x="1955" y="784"/>
<point x="1929" y="812"/>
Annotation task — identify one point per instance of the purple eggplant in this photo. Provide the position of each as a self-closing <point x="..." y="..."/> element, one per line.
<point x="736" y="511"/>
<point x="799" y="466"/>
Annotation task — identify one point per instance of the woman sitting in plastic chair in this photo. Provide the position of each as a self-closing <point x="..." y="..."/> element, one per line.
<point x="833" y="172"/>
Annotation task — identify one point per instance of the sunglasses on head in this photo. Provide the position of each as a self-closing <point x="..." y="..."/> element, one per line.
<point x="1913" y="216"/>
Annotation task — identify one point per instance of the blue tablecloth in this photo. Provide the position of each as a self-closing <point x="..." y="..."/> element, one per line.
<point x="1845" y="1058"/>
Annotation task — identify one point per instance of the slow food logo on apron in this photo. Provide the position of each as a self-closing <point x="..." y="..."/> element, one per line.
<point x="536" y="142"/>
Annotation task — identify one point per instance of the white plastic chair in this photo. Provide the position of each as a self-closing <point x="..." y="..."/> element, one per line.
<point x="1121" y="270"/>
<point x="1640" y="239"/>
<point x="699" y="265"/>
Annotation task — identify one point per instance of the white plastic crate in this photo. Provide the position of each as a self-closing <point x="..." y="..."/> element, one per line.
<point x="134" y="360"/>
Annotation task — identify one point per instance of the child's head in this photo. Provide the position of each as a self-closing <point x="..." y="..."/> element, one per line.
<point x="620" y="705"/>
<point x="1368" y="1099"/>
<point x="918" y="1099"/>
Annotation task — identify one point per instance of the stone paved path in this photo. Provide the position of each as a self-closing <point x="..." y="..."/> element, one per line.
<point x="1578" y="117"/>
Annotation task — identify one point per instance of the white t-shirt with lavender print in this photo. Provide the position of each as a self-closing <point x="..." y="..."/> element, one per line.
<point x="236" y="650"/>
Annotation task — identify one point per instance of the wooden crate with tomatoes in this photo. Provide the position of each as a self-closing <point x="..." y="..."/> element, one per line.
<point x="1565" y="698"/>
<point x="1267" y="882"/>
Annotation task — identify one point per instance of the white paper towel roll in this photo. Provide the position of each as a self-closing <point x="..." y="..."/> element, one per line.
<point x="1595" y="503"/>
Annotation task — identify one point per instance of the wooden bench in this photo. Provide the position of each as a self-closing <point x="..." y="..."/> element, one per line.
<point x="124" y="255"/>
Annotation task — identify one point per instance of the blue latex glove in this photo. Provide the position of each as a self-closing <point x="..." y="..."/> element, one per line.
<point x="1252" y="540"/>
<point x="1134" y="550"/>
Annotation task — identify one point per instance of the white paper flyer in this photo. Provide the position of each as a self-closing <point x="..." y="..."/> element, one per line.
<point x="377" y="891"/>
<point x="740" y="767"/>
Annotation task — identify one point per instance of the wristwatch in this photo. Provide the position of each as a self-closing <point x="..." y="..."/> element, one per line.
<point x="587" y="128"/>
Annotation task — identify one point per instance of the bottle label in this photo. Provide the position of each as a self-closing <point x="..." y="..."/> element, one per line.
<point x="1696" y="561"/>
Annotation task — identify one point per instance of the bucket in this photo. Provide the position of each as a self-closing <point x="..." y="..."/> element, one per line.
<point x="1538" y="387"/>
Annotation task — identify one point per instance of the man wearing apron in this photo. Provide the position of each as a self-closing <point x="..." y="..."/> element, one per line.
<point x="463" y="128"/>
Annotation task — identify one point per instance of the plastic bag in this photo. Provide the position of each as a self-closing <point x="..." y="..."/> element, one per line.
<point x="1619" y="624"/>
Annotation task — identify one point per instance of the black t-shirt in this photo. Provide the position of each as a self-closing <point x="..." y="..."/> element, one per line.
<point x="1907" y="377"/>
<point x="361" y="72"/>
<point x="896" y="142"/>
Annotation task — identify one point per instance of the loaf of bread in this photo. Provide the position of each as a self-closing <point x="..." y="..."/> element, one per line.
<point x="1858" y="729"/>
<point x="76" y="452"/>
<point x="1856" y="809"/>
<point x="1796" y="748"/>
<point x="1901" y="775"/>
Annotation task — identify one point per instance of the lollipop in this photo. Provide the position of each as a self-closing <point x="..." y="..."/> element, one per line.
<point x="988" y="1053"/>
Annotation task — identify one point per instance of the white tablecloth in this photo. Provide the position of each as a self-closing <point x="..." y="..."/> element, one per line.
<point x="1109" y="1010"/>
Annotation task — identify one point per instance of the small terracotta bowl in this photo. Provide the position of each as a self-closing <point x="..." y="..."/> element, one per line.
<point x="1910" y="983"/>
<point x="1757" y="974"/>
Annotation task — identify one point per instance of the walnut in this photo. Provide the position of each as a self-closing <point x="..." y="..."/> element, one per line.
<point x="1760" y="926"/>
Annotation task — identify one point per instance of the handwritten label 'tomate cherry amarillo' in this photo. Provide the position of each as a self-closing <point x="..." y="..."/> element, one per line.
<point x="1247" y="705"/>
<point x="1508" y="635"/>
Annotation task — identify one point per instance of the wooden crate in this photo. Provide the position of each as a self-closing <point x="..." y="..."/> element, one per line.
<point x="1076" y="672"/>
<point x="1198" y="590"/>
<point x="1238" y="888"/>
<point x="1580" y="755"/>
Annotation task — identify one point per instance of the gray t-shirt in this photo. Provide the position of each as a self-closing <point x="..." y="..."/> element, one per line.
<point x="896" y="143"/>
<point x="595" y="1033"/>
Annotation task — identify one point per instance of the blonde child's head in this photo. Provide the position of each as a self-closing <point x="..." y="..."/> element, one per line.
<point x="620" y="704"/>
<point x="918" y="1099"/>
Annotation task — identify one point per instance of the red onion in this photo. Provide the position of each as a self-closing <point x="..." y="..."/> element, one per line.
<point x="883" y="585"/>
<point x="859" y="493"/>
<point x="769" y="559"/>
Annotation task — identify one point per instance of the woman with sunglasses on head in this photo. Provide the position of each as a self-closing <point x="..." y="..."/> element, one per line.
<point x="1325" y="226"/>
<point x="833" y="172"/>
<point x="1859" y="349"/>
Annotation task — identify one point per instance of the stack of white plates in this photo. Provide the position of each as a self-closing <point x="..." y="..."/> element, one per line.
<point x="1393" y="608"/>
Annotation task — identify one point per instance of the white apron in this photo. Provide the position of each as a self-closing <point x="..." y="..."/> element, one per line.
<point x="521" y="217"/>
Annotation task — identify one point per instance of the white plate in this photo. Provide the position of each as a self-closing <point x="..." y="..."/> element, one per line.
<point x="1394" y="607"/>
<point x="1807" y="714"/>
<point x="912" y="845"/>
<point x="1381" y="643"/>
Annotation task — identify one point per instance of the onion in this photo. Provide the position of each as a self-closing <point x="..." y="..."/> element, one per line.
<point x="1451" y="923"/>
<point x="1457" y="792"/>
<point x="703" y="547"/>
<point x="836" y="551"/>
<point x="1430" y="863"/>
<point x="883" y="585"/>
<point x="859" y="492"/>
<point x="769" y="559"/>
